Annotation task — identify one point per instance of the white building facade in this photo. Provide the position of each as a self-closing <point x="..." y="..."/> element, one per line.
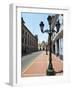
<point x="57" y="39"/>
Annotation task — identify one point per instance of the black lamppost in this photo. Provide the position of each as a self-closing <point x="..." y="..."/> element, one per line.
<point x="50" y="71"/>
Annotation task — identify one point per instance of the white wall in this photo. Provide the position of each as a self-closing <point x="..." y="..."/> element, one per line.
<point x="61" y="46"/>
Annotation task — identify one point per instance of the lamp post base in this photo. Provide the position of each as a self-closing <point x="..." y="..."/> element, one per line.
<point x="50" y="71"/>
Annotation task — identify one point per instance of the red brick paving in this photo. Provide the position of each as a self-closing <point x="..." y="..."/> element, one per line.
<point x="40" y="64"/>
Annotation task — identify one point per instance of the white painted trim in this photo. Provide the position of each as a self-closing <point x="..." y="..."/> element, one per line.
<point x="12" y="39"/>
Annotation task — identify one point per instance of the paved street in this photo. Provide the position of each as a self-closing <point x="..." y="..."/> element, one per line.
<point x="39" y="65"/>
<point x="28" y="59"/>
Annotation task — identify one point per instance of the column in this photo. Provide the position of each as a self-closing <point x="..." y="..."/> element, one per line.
<point x="61" y="47"/>
<point x="55" y="47"/>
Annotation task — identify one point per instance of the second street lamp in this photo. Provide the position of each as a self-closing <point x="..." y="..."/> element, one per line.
<point x="50" y="71"/>
<point x="58" y="25"/>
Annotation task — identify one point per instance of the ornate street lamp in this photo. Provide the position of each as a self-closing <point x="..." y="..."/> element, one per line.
<point x="42" y="26"/>
<point x="50" y="71"/>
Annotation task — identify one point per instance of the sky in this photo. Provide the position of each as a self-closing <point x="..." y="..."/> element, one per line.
<point x="32" y="21"/>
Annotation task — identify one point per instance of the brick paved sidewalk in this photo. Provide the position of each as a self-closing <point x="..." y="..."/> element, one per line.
<point x="40" y="64"/>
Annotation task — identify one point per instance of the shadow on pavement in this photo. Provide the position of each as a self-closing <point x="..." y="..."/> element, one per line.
<point x="59" y="71"/>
